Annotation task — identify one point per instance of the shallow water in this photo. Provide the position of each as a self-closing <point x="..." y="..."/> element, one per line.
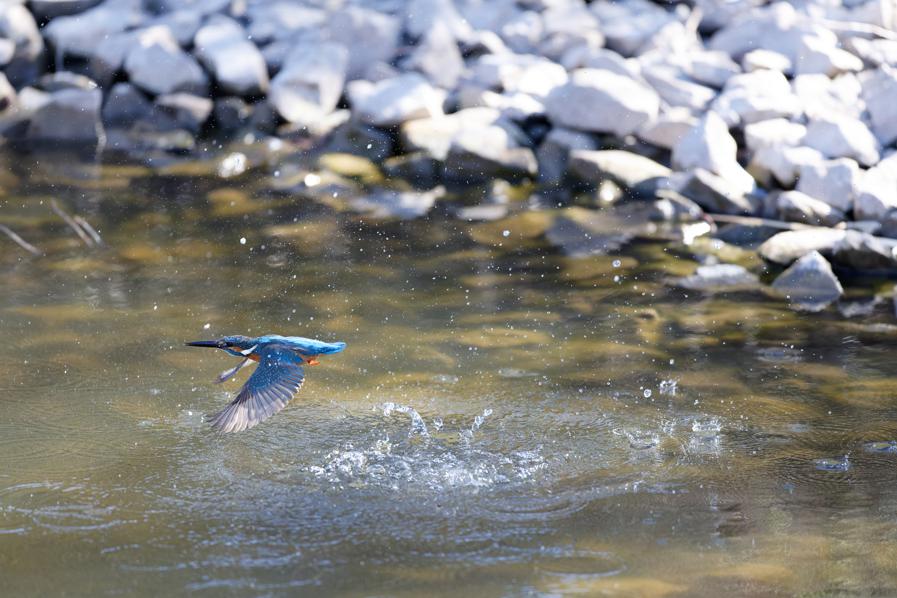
<point x="505" y="420"/>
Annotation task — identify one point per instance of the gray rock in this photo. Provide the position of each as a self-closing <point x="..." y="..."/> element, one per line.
<point x="68" y="116"/>
<point x="602" y="101"/>
<point x="236" y="64"/>
<point x="641" y="175"/>
<point x="230" y="114"/>
<point x="628" y="26"/>
<point x="360" y="139"/>
<point x="716" y="194"/>
<point x="777" y="164"/>
<point x="578" y="232"/>
<point x="421" y="16"/>
<point x="554" y="151"/>
<point x="676" y="208"/>
<point x="774" y="132"/>
<point x="370" y="37"/>
<point x="45" y="10"/>
<point x="809" y="283"/>
<point x="183" y="25"/>
<point x="522" y="32"/>
<point x="794" y="206"/>
<point x="437" y="56"/>
<point x="678" y="92"/>
<point x="282" y="20"/>
<point x="17" y="25"/>
<point x="843" y="137"/>
<point x="435" y="135"/>
<point x="711" y="68"/>
<point x="78" y="35"/>
<point x="125" y="105"/>
<point x="821" y="54"/>
<point x="669" y="128"/>
<point x="710" y="147"/>
<point x="388" y="203"/>
<point x="310" y="84"/>
<point x="157" y="65"/>
<point x="719" y="278"/>
<point x="483" y="154"/>
<point x="879" y="91"/>
<point x="788" y="246"/>
<point x="512" y="106"/>
<point x="861" y="251"/>
<point x="420" y="169"/>
<point x="831" y="181"/>
<point x="108" y="56"/>
<point x="568" y="26"/>
<point x="394" y="101"/>
<point x="185" y="111"/>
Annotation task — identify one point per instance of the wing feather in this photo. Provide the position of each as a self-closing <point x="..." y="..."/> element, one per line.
<point x="276" y="379"/>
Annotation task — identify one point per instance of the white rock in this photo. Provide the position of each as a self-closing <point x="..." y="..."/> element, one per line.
<point x="629" y="170"/>
<point x="678" y="92"/>
<point x="370" y="37"/>
<point x="879" y="93"/>
<point x="843" y="137"/>
<point x="17" y="25"/>
<point x="310" y="84"/>
<point x="776" y="131"/>
<point x="831" y="181"/>
<point x="567" y="26"/>
<point x="523" y="32"/>
<point x="795" y="206"/>
<point x="709" y="146"/>
<point x="77" y="35"/>
<point x="158" y="65"/>
<point x="822" y="97"/>
<point x="788" y="246"/>
<point x="777" y="27"/>
<point x="513" y="106"/>
<point x="437" y="56"/>
<point x="752" y="97"/>
<point x="782" y="164"/>
<point x="602" y="101"/>
<point x="183" y="24"/>
<point x="282" y="20"/>
<point x="236" y="64"/>
<point x="876" y="190"/>
<point x="394" y="101"/>
<point x="761" y="59"/>
<point x="537" y="79"/>
<point x="711" y="68"/>
<point x="422" y="15"/>
<point x="601" y="59"/>
<point x="876" y="52"/>
<point x="668" y="128"/>
<point x="434" y="135"/>
<point x="628" y="25"/>
<point x="820" y="54"/>
<point x="490" y="152"/>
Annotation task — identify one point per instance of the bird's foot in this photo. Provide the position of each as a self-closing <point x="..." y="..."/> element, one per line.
<point x="313" y="361"/>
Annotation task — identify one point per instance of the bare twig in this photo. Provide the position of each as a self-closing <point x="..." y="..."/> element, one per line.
<point x="86" y="227"/>
<point x="20" y="241"/>
<point x="752" y="221"/>
<point x="72" y="224"/>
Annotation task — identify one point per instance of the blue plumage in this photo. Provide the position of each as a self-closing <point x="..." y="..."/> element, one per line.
<point x="277" y="378"/>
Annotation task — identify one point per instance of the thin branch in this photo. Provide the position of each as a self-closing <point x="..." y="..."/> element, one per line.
<point x="86" y="227"/>
<point x="72" y="224"/>
<point x="20" y="241"/>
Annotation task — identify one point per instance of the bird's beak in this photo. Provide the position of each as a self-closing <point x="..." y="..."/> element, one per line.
<point x="213" y="344"/>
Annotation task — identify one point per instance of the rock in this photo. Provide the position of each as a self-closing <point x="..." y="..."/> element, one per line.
<point x="17" y="25"/>
<point x="419" y="169"/>
<point x="716" y="194"/>
<point x="186" y="111"/>
<point x="794" y="206"/>
<point x="483" y="154"/>
<point x="757" y="96"/>
<point x="628" y="26"/>
<point x="554" y="151"/>
<point x="124" y="106"/>
<point x="788" y="246"/>
<point x="678" y="92"/>
<point x="7" y="94"/>
<point x="157" y="65"/>
<point x="719" y="278"/>
<point x="283" y="20"/>
<point x="774" y="132"/>
<point x="776" y="27"/>
<point x="235" y="63"/>
<point x="388" y="203"/>
<point x="843" y="137"/>
<point x="710" y="147"/>
<point x="78" y="35"/>
<point x="434" y="135"/>
<point x="538" y="79"/>
<point x="578" y="232"/>
<point x="874" y="51"/>
<point x="831" y="181"/>
<point x="641" y="175"/>
<point x="437" y="56"/>
<point x="711" y="68"/>
<point x="809" y="283"/>
<point x="782" y="163"/>
<point x="68" y="116"/>
<point x="669" y="128"/>
<point x="602" y="101"/>
<point x="879" y="91"/>
<point x="861" y="251"/>
<point x="517" y="107"/>
<point x="310" y="83"/>
<point x="7" y="51"/>
<point x="230" y="114"/>
<point x="394" y="101"/>
<point x="875" y="190"/>
<point x="823" y="98"/>
<point x="44" y="10"/>
<point x="421" y="16"/>
<point x="820" y="54"/>
<point x="183" y="24"/>
<point x="600" y="59"/>
<point x="362" y="140"/>
<point x="760" y="59"/>
<point x="522" y="32"/>
<point x="568" y="26"/>
<point x="370" y="37"/>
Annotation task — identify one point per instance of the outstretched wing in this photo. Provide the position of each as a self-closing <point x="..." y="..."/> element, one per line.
<point x="276" y="379"/>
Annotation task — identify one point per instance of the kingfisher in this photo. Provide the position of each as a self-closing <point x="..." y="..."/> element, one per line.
<point x="276" y="379"/>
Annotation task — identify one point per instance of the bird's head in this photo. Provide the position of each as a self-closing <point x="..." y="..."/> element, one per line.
<point x="231" y="344"/>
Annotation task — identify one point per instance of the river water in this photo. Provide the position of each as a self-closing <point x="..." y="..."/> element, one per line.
<point x="505" y="421"/>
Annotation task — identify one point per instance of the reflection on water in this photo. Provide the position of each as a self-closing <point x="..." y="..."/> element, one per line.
<point x="506" y="420"/>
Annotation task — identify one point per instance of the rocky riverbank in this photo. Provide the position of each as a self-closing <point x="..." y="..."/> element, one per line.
<point x="769" y="126"/>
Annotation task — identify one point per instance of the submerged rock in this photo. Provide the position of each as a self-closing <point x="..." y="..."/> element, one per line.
<point x="719" y="277"/>
<point x="809" y="283"/>
<point x="578" y="232"/>
<point x="491" y="152"/>
<point x="69" y="115"/>
<point x="389" y="203"/>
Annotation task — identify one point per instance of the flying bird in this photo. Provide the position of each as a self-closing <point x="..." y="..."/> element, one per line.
<point x="276" y="379"/>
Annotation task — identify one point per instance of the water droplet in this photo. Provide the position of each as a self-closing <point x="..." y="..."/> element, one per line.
<point x="242" y="240"/>
<point x="506" y="233"/>
<point x="206" y="326"/>
<point x="617" y="263"/>
<point x="647" y="393"/>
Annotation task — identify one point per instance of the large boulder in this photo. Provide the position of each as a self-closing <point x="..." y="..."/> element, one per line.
<point x="157" y="65"/>
<point x="236" y="64"/>
<point x="603" y="102"/>
<point x="809" y="283"/>
<point x="310" y="84"/>
<point x="394" y="101"/>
